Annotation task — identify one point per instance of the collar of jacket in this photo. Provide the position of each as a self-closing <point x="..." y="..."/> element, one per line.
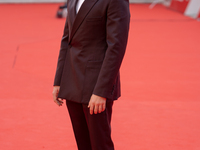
<point x="76" y="20"/>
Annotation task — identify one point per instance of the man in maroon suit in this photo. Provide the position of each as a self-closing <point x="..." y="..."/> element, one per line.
<point x="87" y="75"/>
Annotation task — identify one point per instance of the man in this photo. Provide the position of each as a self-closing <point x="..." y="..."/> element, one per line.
<point x="87" y="75"/>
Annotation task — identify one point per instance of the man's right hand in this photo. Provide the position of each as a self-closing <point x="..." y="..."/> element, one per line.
<point x="57" y="100"/>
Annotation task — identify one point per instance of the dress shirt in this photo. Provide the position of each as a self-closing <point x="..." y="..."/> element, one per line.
<point x="78" y="6"/>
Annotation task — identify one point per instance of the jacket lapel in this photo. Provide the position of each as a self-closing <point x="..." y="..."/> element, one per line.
<point x="84" y="10"/>
<point x="71" y="13"/>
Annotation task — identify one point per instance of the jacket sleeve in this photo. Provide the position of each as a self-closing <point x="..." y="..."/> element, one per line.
<point x="62" y="55"/>
<point x="118" y="19"/>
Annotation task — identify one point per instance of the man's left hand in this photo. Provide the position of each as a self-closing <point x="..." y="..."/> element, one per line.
<point x="97" y="104"/>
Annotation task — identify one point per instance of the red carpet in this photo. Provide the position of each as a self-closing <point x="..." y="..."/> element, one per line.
<point x="160" y="104"/>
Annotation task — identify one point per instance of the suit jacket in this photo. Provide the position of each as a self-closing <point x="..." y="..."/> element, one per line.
<point x="92" y="49"/>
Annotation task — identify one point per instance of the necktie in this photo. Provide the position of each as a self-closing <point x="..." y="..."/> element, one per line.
<point x="73" y="11"/>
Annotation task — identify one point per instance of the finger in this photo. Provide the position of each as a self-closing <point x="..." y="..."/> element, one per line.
<point x="100" y="109"/>
<point x="60" y="100"/>
<point x="57" y="102"/>
<point x="103" y="106"/>
<point x="96" y="108"/>
<point x="91" y="106"/>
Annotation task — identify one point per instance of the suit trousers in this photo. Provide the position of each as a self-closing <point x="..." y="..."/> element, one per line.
<point x="92" y="132"/>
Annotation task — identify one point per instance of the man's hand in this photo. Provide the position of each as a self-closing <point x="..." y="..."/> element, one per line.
<point x="57" y="100"/>
<point x="97" y="104"/>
